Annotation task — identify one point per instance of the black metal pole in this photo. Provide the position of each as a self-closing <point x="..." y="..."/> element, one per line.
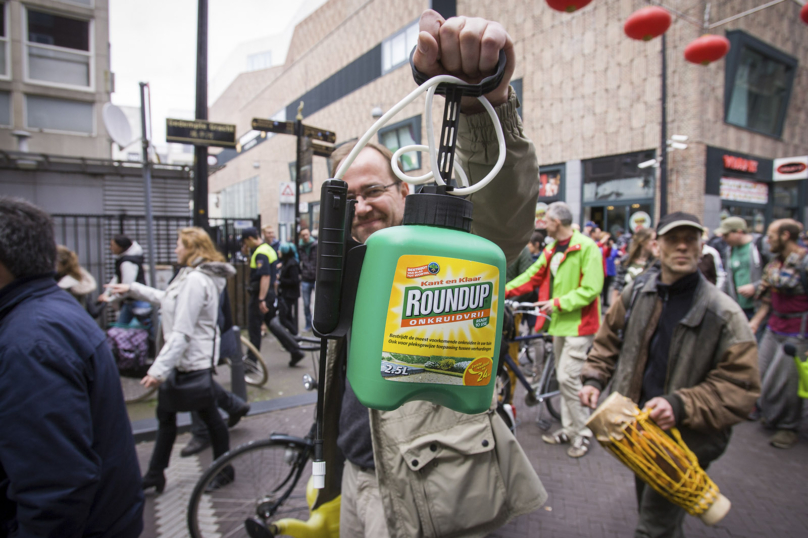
<point x="147" y="181"/>
<point x="295" y="239"/>
<point x="201" y="152"/>
<point x="663" y="150"/>
<point x="299" y="134"/>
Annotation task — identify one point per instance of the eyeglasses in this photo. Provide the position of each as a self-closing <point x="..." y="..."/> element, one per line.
<point x="371" y="192"/>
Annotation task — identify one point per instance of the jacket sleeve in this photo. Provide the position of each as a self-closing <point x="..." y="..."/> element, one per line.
<point x="591" y="282"/>
<point x="602" y="358"/>
<point x="763" y="292"/>
<point x="529" y="280"/>
<point x="191" y="300"/>
<point x="728" y="392"/>
<point x="620" y="272"/>
<point x="141" y="292"/>
<point x="46" y="440"/>
<point x="504" y="210"/>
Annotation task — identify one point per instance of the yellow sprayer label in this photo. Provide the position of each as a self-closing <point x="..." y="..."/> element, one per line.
<point x="441" y="322"/>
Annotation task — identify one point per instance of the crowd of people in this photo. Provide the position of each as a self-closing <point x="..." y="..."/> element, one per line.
<point x="679" y="338"/>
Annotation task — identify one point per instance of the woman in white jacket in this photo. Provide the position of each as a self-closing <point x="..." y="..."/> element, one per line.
<point x="189" y="311"/>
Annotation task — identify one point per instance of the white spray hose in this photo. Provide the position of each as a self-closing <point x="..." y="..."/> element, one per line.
<point x="430" y="86"/>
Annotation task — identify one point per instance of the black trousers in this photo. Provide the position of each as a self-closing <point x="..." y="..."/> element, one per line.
<point x="224" y="400"/>
<point x="286" y="314"/>
<point x="254" y="328"/>
<point x="167" y="433"/>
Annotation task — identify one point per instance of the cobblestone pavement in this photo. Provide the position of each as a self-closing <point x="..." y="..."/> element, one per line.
<point x="588" y="497"/>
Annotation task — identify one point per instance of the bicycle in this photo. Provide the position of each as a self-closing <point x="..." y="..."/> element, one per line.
<point x="255" y="369"/>
<point x="266" y="497"/>
<point x="546" y="390"/>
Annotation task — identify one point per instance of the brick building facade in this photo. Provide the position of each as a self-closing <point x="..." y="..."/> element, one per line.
<point x="591" y="102"/>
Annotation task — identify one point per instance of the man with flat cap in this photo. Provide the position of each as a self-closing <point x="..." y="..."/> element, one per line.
<point x="675" y="344"/>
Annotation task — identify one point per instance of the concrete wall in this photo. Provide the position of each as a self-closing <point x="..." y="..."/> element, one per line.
<point x="97" y="145"/>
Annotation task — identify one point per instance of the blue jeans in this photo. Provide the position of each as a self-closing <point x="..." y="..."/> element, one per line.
<point x="306" y="288"/>
<point x="127" y="313"/>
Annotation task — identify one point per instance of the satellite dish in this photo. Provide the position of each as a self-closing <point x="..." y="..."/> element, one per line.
<point x="117" y="125"/>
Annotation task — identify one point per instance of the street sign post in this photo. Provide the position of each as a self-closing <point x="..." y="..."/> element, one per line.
<point x="310" y="141"/>
<point x="200" y="133"/>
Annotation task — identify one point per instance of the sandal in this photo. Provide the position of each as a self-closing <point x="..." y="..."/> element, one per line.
<point x="558" y="438"/>
<point x="578" y="451"/>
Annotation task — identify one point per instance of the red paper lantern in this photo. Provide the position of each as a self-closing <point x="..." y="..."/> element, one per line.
<point x="647" y="23"/>
<point x="568" y="5"/>
<point x="706" y="49"/>
<point x="804" y="13"/>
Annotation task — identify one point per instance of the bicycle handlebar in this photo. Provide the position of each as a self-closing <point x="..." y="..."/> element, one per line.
<point x="526" y="308"/>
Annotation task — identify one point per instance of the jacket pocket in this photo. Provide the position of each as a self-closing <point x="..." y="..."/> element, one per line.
<point x="459" y="478"/>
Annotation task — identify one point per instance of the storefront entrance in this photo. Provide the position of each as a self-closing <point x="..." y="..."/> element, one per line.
<point x="617" y="193"/>
<point x="747" y="189"/>
<point x="628" y="217"/>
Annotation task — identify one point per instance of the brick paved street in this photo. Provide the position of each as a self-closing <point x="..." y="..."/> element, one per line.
<point x="589" y="497"/>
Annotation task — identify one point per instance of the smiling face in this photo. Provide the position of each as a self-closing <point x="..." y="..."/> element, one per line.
<point x="370" y="168"/>
<point x="679" y="251"/>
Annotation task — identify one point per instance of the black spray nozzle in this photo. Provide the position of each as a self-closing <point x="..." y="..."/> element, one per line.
<point x="330" y="255"/>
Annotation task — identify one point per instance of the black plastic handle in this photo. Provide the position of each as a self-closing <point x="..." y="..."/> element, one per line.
<point x="330" y="256"/>
<point x="486" y="85"/>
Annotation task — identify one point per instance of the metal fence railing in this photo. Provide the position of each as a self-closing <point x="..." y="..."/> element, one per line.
<point x="89" y="237"/>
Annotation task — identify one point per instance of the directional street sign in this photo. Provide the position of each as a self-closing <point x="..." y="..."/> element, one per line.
<point x="319" y="134"/>
<point x="288" y="127"/>
<point x="322" y="150"/>
<point x="200" y="133"/>
<point x="272" y="126"/>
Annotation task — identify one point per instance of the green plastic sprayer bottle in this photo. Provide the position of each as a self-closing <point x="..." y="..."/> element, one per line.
<point x="427" y="320"/>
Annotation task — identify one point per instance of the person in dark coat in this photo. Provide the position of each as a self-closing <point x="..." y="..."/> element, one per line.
<point x="308" y="272"/>
<point x="288" y="287"/>
<point x="68" y="465"/>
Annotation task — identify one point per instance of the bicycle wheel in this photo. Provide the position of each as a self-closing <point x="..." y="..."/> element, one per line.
<point x="265" y="471"/>
<point x="133" y="391"/>
<point x="551" y="385"/>
<point x="255" y="369"/>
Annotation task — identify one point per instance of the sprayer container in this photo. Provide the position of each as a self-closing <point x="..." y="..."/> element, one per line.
<point x="427" y="320"/>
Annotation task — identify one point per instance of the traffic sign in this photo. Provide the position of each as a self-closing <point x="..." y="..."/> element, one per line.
<point x="200" y="133"/>
<point x="272" y="126"/>
<point x="319" y="134"/>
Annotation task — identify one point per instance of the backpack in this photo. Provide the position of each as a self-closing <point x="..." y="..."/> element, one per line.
<point x="130" y="347"/>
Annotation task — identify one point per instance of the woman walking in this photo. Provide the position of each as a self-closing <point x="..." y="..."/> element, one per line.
<point x="288" y="287"/>
<point x="72" y="277"/>
<point x="642" y="254"/>
<point x="189" y="311"/>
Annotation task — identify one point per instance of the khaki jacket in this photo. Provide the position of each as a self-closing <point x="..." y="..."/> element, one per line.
<point x="443" y="473"/>
<point x="712" y="368"/>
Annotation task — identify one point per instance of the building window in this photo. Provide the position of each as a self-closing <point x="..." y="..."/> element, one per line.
<point x="5" y="60"/>
<point x="786" y="196"/>
<point x="5" y="109"/>
<point x="260" y="60"/>
<point x="49" y="113"/>
<point x="396" y="48"/>
<point x="404" y="133"/>
<point x="758" y="85"/>
<point x="618" y="178"/>
<point x="58" y="50"/>
<point x="240" y="201"/>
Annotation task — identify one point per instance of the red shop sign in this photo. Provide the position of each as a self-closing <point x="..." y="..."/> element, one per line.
<point x="740" y="164"/>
